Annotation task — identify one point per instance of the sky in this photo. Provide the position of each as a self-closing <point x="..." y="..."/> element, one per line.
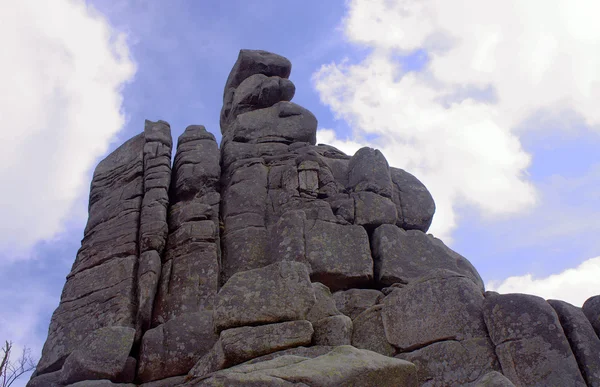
<point x="492" y="105"/>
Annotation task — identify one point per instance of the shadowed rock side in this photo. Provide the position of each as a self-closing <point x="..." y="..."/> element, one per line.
<point x="273" y="261"/>
<point x="113" y="280"/>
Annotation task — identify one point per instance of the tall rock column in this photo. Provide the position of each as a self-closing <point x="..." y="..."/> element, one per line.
<point x="115" y="269"/>
<point x="182" y="317"/>
<point x="153" y="217"/>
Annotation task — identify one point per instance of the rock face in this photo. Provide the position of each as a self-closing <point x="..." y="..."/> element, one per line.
<point x="272" y="261"/>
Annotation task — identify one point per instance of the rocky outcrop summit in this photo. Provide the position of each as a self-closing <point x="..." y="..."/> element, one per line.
<point x="272" y="261"/>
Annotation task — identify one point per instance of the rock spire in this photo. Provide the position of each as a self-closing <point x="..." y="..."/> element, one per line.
<point x="270" y="260"/>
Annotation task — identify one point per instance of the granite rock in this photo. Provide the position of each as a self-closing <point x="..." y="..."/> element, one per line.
<point x="276" y="293"/>
<point x="530" y="342"/>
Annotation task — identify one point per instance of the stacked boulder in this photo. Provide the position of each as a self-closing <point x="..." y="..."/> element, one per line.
<point x="274" y="261"/>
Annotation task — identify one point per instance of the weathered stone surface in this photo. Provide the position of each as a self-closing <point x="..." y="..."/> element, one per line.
<point x="247" y="190"/>
<point x="343" y="366"/>
<point x="157" y="179"/>
<point x="324" y="306"/>
<point x="493" y="379"/>
<point x="275" y="293"/>
<point x="102" y="355"/>
<point x="51" y="379"/>
<point x="339" y="255"/>
<point x="284" y="122"/>
<point x="259" y="91"/>
<point x="455" y="301"/>
<point x="149" y="270"/>
<point x="591" y="308"/>
<point x="368" y="170"/>
<point x="372" y="210"/>
<point x="238" y="345"/>
<point x="403" y="256"/>
<point x="582" y="338"/>
<point x="333" y="331"/>
<point x="190" y="268"/>
<point x="414" y="203"/>
<point x="244" y="250"/>
<point x="168" y="382"/>
<point x="174" y="347"/>
<point x="369" y="332"/>
<point x="530" y="342"/>
<point x="100" y="383"/>
<point x="112" y="231"/>
<point x="286" y="242"/>
<point x="99" y="306"/>
<point x="245" y="343"/>
<point x="308" y="352"/>
<point x="353" y="302"/>
<point x="189" y="283"/>
<point x="196" y="169"/>
<point x="453" y="363"/>
<point x="249" y="63"/>
<point x="114" y="206"/>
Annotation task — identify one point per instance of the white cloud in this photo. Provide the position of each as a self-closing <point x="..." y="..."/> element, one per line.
<point x="455" y="123"/>
<point x="572" y="285"/>
<point x="60" y="106"/>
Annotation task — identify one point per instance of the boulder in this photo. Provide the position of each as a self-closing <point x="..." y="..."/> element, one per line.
<point x="453" y="363"/>
<point x="530" y="342"/>
<point x="333" y="331"/>
<point x="283" y="122"/>
<point x="339" y="255"/>
<point x="455" y="301"/>
<point x="368" y="170"/>
<point x="173" y="348"/>
<point x="353" y="302"/>
<point x="372" y="210"/>
<point x="259" y="91"/>
<point x="238" y="345"/>
<point x="250" y="62"/>
<point x="102" y="355"/>
<point x="369" y="332"/>
<point x="51" y="379"/>
<point x="403" y="256"/>
<point x="413" y="201"/>
<point x="591" y="308"/>
<point x="343" y="366"/>
<point x="582" y="338"/>
<point x="324" y="306"/>
<point x="275" y="293"/>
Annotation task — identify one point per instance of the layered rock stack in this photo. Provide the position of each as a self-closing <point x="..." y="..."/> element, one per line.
<point x="273" y="261"/>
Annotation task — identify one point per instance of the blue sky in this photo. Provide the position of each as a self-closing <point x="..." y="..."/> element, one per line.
<point x="498" y="121"/>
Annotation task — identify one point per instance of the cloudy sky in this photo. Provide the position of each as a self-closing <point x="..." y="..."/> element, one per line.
<point x="493" y="105"/>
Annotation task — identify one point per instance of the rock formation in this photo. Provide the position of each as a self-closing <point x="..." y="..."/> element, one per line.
<point x="272" y="261"/>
